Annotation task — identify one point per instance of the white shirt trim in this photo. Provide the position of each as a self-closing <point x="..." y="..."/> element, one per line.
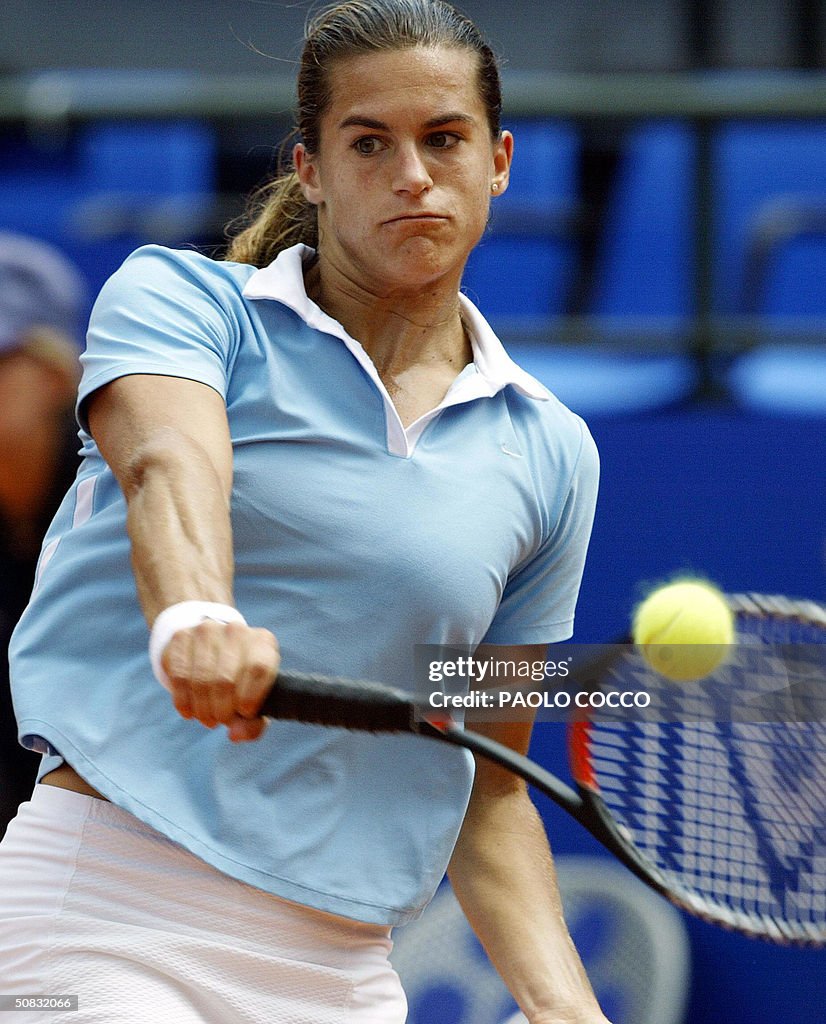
<point x="491" y="371"/>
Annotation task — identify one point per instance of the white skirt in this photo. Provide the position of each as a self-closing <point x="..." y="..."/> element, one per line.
<point x="96" y="904"/>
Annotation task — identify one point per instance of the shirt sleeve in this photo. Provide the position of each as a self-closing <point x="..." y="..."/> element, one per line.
<point x="539" y="599"/>
<point x="158" y="314"/>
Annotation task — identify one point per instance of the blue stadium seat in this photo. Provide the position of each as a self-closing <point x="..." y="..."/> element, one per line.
<point x="643" y="271"/>
<point x="124" y="171"/>
<point x="645" y="265"/>
<point x="147" y="158"/>
<point x="599" y="381"/>
<point x="771" y="253"/>
<point x="85" y="192"/>
<point x="523" y="266"/>
<point x="756" y="166"/>
<point x="785" y="379"/>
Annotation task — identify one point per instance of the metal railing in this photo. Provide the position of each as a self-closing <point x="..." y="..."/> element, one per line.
<point x="49" y="96"/>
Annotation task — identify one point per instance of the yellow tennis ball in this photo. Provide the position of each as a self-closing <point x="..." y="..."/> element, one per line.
<point x="684" y="630"/>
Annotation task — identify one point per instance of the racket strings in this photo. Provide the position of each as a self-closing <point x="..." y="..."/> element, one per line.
<point x="716" y="812"/>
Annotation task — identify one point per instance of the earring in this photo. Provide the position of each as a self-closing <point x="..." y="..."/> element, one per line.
<point x="494" y="187"/>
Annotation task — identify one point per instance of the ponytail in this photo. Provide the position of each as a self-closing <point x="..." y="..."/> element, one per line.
<point x="279" y="216"/>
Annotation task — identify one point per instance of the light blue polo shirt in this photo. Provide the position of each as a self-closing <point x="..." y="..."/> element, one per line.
<point x="355" y="540"/>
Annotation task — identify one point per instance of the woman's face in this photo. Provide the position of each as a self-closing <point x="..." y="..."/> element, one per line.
<point x="405" y="168"/>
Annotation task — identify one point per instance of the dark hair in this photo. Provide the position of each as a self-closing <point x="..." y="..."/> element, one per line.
<point x="279" y="216"/>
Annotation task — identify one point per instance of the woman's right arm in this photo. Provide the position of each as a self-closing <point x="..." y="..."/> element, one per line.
<point x="167" y="441"/>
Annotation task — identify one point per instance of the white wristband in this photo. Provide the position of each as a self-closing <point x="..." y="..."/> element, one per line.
<point x="184" y="616"/>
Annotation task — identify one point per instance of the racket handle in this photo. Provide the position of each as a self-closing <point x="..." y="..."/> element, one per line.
<point x="346" y="703"/>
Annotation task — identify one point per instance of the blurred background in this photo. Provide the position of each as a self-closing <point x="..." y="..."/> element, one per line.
<point x="659" y="262"/>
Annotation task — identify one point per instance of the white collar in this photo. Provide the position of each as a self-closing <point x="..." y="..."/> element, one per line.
<point x="492" y="370"/>
<point x="283" y="281"/>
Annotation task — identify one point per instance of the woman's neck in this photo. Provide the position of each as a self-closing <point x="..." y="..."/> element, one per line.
<point x="398" y="331"/>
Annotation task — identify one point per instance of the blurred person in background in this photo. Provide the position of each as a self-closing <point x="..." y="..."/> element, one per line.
<point x="42" y="302"/>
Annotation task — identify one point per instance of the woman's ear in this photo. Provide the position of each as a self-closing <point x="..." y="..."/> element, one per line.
<point x="307" y="170"/>
<point x="502" y="158"/>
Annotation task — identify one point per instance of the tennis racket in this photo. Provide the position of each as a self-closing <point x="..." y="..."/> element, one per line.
<point x="727" y="819"/>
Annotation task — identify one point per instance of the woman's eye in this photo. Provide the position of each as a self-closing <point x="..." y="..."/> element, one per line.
<point x="443" y="140"/>
<point x="368" y="145"/>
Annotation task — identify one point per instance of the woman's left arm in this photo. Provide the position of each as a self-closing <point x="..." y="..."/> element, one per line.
<point x="503" y="875"/>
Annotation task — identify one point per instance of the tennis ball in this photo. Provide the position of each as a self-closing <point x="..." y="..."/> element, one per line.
<point x="684" y="629"/>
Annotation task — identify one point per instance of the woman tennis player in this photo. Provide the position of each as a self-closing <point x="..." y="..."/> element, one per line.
<point x="318" y="439"/>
